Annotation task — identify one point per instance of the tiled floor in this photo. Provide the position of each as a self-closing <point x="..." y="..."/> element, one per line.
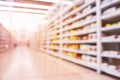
<point x="23" y="63"/>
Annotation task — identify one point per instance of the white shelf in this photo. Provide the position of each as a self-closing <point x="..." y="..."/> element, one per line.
<point x="55" y="32"/>
<point x="111" y="40"/>
<point x="77" y="61"/>
<point x="108" y="16"/>
<point x="78" y="17"/>
<point x="111" y="28"/>
<point x="56" y="27"/>
<point x="54" y="37"/>
<point x="77" y="2"/>
<point x="110" y="4"/>
<point x="111" y="56"/>
<point x="80" y="24"/>
<point x="111" y="72"/>
<point x="80" y="52"/>
<point x="79" y="33"/>
<point x="79" y="9"/>
<point x="56" y="48"/>
<point x="79" y="41"/>
<point x="54" y="42"/>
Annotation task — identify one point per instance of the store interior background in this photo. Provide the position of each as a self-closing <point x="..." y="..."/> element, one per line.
<point x="22" y="26"/>
<point x="25" y="42"/>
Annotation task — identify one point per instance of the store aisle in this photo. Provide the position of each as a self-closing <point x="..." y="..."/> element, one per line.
<point x="23" y="63"/>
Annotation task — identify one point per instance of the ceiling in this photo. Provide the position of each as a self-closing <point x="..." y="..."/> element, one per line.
<point x="42" y="7"/>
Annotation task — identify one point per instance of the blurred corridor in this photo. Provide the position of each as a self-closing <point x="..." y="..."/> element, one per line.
<point x="24" y="63"/>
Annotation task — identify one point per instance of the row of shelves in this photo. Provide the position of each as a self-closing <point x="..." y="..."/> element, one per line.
<point x="105" y="68"/>
<point x="88" y="34"/>
<point x="5" y="39"/>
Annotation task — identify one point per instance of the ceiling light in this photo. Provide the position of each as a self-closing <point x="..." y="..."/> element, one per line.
<point x="57" y="1"/>
<point x="24" y="5"/>
<point x="23" y="10"/>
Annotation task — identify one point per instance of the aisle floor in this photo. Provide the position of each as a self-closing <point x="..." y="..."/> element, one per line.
<point x="23" y="63"/>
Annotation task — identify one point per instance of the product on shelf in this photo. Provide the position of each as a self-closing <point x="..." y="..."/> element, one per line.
<point x="92" y="36"/>
<point x="88" y="48"/>
<point x="55" y="40"/>
<point x="111" y="37"/>
<point x="71" y="54"/>
<point x="74" y="47"/>
<point x="87" y="9"/>
<point x="73" y="23"/>
<point x="75" y="7"/>
<point x="89" y="17"/>
<point x="65" y="38"/>
<point x="112" y="24"/>
<point x="118" y="9"/>
<point x="111" y="67"/>
<point x="85" y="37"/>
<point x="72" y="31"/>
<point x="115" y="53"/>
<point x="118" y="68"/>
<point x="87" y="27"/>
<point x="89" y="58"/>
<point x="110" y="10"/>
<point x="73" y="37"/>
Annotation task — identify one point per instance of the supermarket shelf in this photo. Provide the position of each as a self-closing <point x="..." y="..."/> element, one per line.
<point x="56" y="48"/>
<point x="80" y="24"/>
<point x="111" y="56"/>
<point x="111" y="28"/>
<point x="78" y="17"/>
<point x="79" y="41"/>
<point x="55" y="32"/>
<point x="75" y="20"/>
<point x="111" y="72"/>
<point x="113" y="2"/>
<point x="67" y="9"/>
<point x="77" y="61"/>
<point x="75" y="11"/>
<point x="56" y="22"/>
<point x="80" y="52"/>
<point x="79" y="33"/>
<point x="108" y="16"/>
<point x="54" y="42"/>
<point x="54" y="37"/>
<point x="56" y="27"/>
<point x="54" y="18"/>
<point x="111" y="40"/>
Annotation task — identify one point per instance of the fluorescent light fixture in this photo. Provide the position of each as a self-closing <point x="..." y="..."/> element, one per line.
<point x="24" y="5"/>
<point x="67" y="2"/>
<point x="23" y="10"/>
<point x="57" y="1"/>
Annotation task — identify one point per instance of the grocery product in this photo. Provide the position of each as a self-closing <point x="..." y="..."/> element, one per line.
<point x="73" y="37"/>
<point x="89" y="58"/>
<point x="108" y="11"/>
<point x="114" y="53"/>
<point x="92" y="36"/>
<point x="111" y="37"/>
<point x="118" y="68"/>
<point x="89" y="48"/>
<point x="111" y="24"/>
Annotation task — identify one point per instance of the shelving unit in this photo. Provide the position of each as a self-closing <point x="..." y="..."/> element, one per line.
<point x="88" y="34"/>
<point x="6" y="40"/>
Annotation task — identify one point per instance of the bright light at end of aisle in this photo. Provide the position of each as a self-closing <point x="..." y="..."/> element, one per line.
<point x="20" y="21"/>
